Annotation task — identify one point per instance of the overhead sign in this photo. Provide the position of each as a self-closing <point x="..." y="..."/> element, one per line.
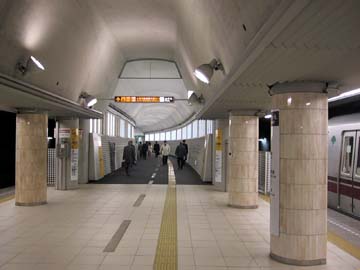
<point x="143" y="99"/>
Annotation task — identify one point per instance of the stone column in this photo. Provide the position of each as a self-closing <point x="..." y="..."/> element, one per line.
<point x="31" y="159"/>
<point x="243" y="161"/>
<point x="303" y="125"/>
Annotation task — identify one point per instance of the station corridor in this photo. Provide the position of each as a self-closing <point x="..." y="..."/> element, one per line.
<point x="102" y="102"/>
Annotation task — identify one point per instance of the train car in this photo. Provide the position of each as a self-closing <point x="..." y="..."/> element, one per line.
<point x="344" y="164"/>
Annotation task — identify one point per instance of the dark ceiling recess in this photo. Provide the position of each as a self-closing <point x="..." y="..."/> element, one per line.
<point x="345" y="106"/>
<point x="264" y="134"/>
<point x="7" y="146"/>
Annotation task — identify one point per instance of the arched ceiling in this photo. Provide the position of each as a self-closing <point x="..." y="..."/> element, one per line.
<point x="85" y="44"/>
<point x="154" y="78"/>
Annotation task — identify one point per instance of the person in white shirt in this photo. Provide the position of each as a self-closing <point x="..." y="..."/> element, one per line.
<point x="165" y="152"/>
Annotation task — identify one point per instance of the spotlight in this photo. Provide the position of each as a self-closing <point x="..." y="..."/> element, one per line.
<point x="194" y="99"/>
<point x="31" y="64"/>
<point x="206" y="71"/>
<point x="87" y="100"/>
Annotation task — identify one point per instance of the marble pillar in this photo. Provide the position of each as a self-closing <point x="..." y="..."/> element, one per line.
<point x="31" y="159"/>
<point x="303" y="124"/>
<point x="243" y="161"/>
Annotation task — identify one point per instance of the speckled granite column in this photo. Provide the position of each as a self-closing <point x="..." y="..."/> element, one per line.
<point x="243" y="161"/>
<point x="303" y="174"/>
<point x="31" y="159"/>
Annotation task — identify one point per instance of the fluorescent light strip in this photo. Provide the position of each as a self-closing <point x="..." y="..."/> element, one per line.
<point x="345" y="95"/>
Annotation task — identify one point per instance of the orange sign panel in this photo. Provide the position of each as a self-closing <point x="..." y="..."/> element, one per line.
<point x="143" y="99"/>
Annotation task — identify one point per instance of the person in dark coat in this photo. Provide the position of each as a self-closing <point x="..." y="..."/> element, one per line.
<point x="187" y="150"/>
<point x="144" y="150"/>
<point x="139" y="149"/>
<point x="128" y="156"/>
<point x="157" y="149"/>
<point x="180" y="154"/>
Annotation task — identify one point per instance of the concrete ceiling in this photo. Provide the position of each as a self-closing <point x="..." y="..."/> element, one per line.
<point x="85" y="44"/>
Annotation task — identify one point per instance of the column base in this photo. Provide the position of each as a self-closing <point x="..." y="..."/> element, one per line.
<point x="243" y="206"/>
<point x="297" y="262"/>
<point x="30" y="204"/>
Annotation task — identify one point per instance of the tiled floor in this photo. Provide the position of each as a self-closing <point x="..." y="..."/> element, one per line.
<point x="346" y="227"/>
<point x="71" y="231"/>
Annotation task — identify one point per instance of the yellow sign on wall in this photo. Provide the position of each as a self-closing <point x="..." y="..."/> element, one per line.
<point x="101" y="162"/>
<point x="74" y="138"/>
<point x="219" y="138"/>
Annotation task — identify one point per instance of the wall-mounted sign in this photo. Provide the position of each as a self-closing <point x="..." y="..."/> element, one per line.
<point x="275" y="175"/>
<point x="74" y="154"/>
<point x="218" y="155"/>
<point x="143" y="99"/>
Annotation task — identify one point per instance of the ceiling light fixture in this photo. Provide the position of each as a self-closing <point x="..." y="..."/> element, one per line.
<point x="345" y="95"/>
<point x="194" y="99"/>
<point x="29" y="65"/>
<point x="268" y="116"/>
<point x="206" y="71"/>
<point x="87" y="100"/>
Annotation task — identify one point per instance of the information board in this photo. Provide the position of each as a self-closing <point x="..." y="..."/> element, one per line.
<point x="143" y="99"/>
<point x="275" y="175"/>
<point x="218" y="155"/>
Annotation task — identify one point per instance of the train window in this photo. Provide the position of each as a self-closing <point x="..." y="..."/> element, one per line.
<point x="358" y="159"/>
<point x="347" y="154"/>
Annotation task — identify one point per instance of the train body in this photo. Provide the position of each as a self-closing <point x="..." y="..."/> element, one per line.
<point x="344" y="164"/>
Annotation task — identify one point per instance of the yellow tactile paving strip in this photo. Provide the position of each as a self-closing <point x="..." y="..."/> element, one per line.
<point x="333" y="238"/>
<point x="7" y="198"/>
<point x="166" y="251"/>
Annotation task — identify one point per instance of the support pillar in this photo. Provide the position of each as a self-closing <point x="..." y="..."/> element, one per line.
<point x="301" y="235"/>
<point x="243" y="161"/>
<point x="31" y="159"/>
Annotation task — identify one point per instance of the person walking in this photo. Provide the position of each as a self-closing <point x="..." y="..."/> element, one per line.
<point x="187" y="150"/>
<point x="144" y="150"/>
<point x="165" y="152"/>
<point x="128" y="156"/>
<point x="157" y="149"/>
<point x="149" y="149"/>
<point x="180" y="154"/>
<point x="139" y="149"/>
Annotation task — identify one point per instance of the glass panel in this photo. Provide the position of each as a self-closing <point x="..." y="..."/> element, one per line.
<point x="358" y="159"/>
<point x="195" y="129"/>
<point x="209" y="127"/>
<point x="162" y="136"/>
<point x="168" y="135"/>
<point x="347" y="154"/>
<point x="146" y="137"/>
<point x="122" y="128"/>
<point x="178" y="135"/>
<point x="184" y="133"/>
<point x="129" y="130"/>
<point x="189" y="132"/>
<point x="173" y="135"/>
<point x="152" y="137"/>
<point x="157" y="136"/>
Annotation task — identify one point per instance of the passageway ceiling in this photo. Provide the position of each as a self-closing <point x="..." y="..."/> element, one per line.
<point x="84" y="45"/>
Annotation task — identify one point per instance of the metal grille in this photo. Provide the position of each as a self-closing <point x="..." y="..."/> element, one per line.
<point x="264" y="171"/>
<point x="51" y="172"/>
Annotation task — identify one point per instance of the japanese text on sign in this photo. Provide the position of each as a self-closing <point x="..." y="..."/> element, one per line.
<point x="143" y="99"/>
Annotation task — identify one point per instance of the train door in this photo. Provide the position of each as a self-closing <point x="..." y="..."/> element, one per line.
<point x="356" y="177"/>
<point x="347" y="171"/>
